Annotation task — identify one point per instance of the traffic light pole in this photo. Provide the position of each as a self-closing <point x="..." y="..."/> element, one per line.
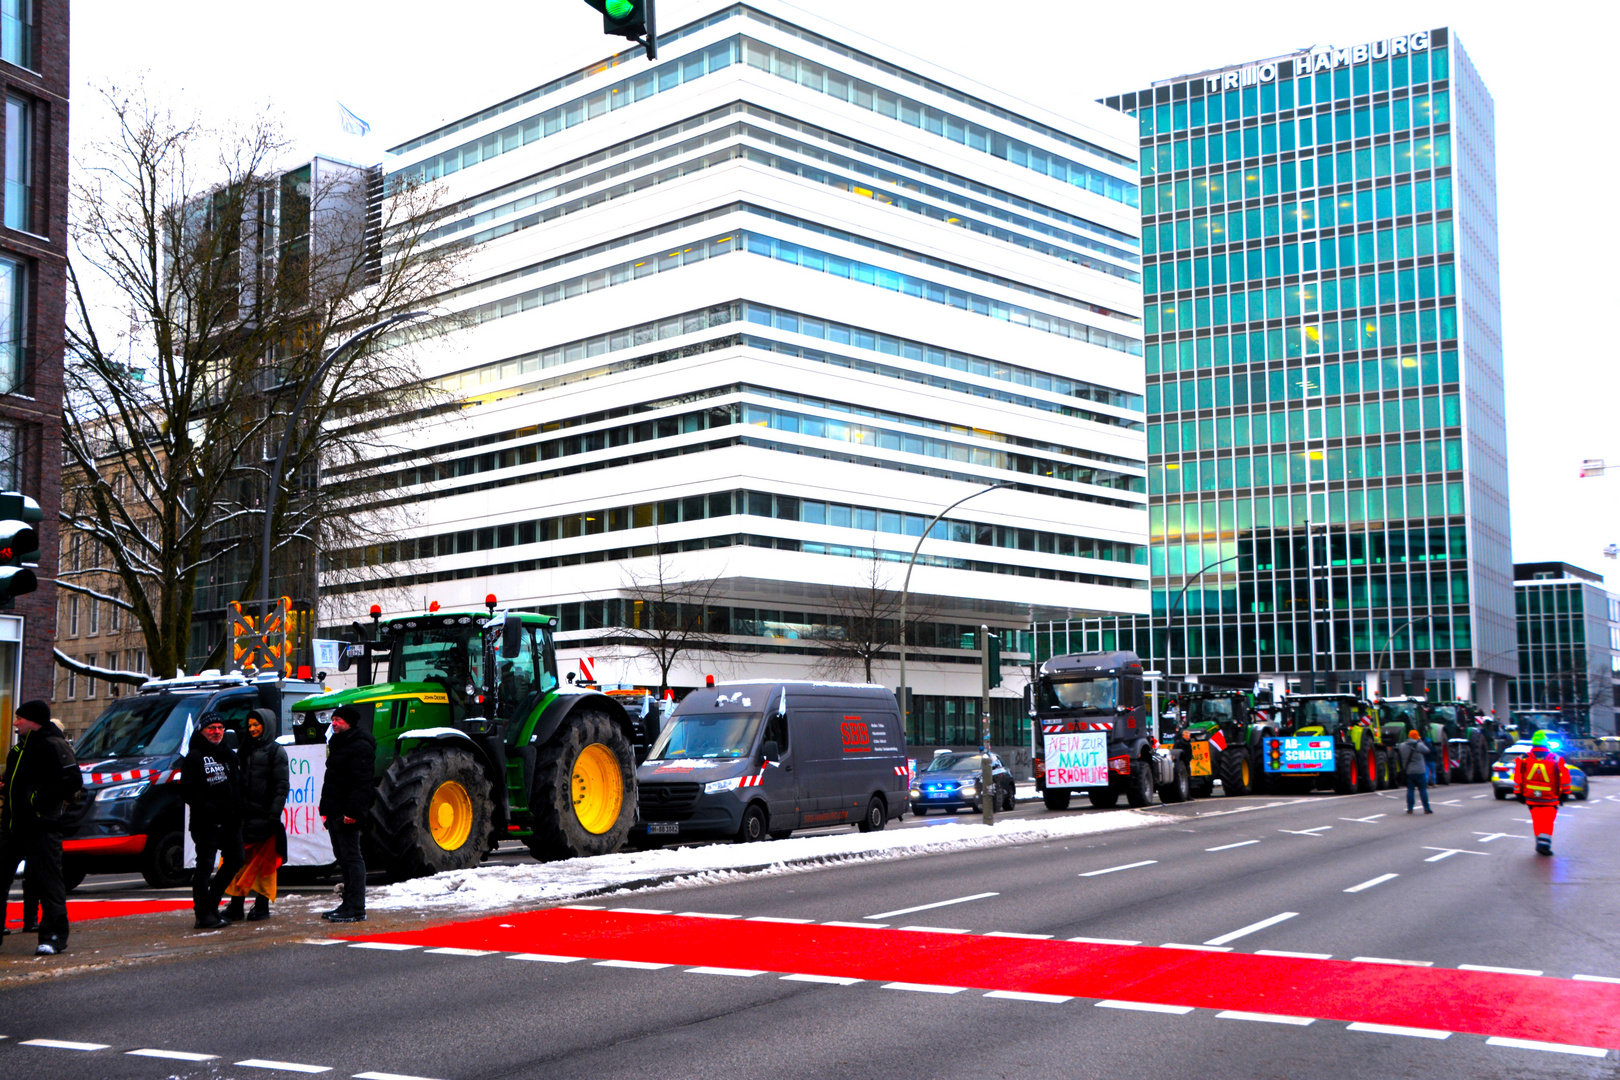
<point x="987" y="789"/>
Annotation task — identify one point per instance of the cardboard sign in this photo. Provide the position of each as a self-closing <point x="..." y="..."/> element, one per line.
<point x="1077" y="759"/>
<point x="1200" y="759"/>
<point x="1299" y="754"/>
<point x="308" y="842"/>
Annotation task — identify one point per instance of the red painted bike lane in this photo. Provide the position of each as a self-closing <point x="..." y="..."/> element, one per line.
<point x="1481" y="1003"/>
<point x="86" y="910"/>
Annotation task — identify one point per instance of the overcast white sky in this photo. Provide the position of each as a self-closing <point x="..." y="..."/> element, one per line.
<point x="406" y="65"/>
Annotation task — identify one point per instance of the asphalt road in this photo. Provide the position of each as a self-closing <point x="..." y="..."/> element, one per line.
<point x="1351" y="878"/>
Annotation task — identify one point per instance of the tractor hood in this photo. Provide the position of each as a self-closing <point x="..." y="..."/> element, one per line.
<point x="431" y="693"/>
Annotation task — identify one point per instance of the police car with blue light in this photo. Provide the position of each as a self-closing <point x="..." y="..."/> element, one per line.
<point x="1502" y="770"/>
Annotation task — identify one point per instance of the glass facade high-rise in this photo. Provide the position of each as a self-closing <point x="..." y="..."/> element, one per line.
<point x="1327" y="475"/>
<point x="1569" y="643"/>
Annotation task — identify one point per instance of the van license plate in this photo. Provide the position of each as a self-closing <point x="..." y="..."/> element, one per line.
<point x="663" y="828"/>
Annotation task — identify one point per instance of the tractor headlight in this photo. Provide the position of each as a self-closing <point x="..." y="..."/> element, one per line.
<point x="122" y="791"/>
<point x="714" y="787"/>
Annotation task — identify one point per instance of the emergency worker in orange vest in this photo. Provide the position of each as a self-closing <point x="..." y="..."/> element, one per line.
<point x="1541" y="778"/>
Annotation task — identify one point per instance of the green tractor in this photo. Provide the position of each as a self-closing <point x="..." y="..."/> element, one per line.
<point x="1470" y="738"/>
<point x="1224" y="729"/>
<point x="1453" y="728"/>
<point x="1360" y="763"/>
<point x="478" y="740"/>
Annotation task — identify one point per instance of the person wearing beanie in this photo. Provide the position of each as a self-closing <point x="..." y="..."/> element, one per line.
<point x="1413" y="755"/>
<point x="264" y="836"/>
<point x="1541" y="779"/>
<point x="351" y="758"/>
<point x="41" y="795"/>
<point x="210" y="781"/>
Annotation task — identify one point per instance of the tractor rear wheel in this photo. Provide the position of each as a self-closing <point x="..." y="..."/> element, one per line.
<point x="1365" y="779"/>
<point x="432" y="812"/>
<point x="1236" y="778"/>
<point x="584" y="796"/>
<point x="1344" y="771"/>
<point x="1380" y="768"/>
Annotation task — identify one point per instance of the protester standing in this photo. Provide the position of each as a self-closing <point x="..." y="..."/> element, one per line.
<point x="346" y="795"/>
<point x="264" y="836"/>
<point x="41" y="793"/>
<point x="210" y="780"/>
<point x="1413" y="755"/>
<point x="1541" y="779"/>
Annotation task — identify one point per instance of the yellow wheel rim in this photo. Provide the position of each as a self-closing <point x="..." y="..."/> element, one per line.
<point x="450" y="815"/>
<point x="1245" y="772"/>
<point x="598" y="788"/>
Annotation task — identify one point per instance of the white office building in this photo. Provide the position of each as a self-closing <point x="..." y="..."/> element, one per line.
<point x="742" y="320"/>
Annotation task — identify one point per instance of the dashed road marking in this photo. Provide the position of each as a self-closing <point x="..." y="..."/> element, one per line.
<point x="705" y="915"/>
<point x="1368" y="820"/>
<point x="1379" y="880"/>
<point x="1196" y="948"/>
<point x="1317" y="831"/>
<point x="831" y="980"/>
<point x="924" y="988"/>
<point x="170" y="1055"/>
<point x="1555" y="1048"/>
<point x="1229" y="847"/>
<point x="1446" y="853"/>
<point x="1014" y="934"/>
<point x="448" y="951"/>
<point x="642" y="910"/>
<point x="63" y="1044"/>
<point x="739" y="973"/>
<point x="1484" y="796"/>
<point x="1146" y="1006"/>
<point x="1024" y="995"/>
<point x="936" y="930"/>
<point x="1498" y="970"/>
<point x="1387" y="960"/>
<point x="321" y="941"/>
<point x="858" y="925"/>
<point x="1596" y="978"/>
<point x="582" y="907"/>
<point x="1486" y="838"/>
<point x="387" y="1076"/>
<point x="1450" y="802"/>
<point x="1116" y="869"/>
<point x="777" y="918"/>
<point x="1294" y="955"/>
<point x="1266" y="1018"/>
<point x="383" y="946"/>
<point x="1392" y="1029"/>
<point x="1252" y="928"/>
<point x="282" y="1066"/>
<point x="936" y="904"/>
<point x="545" y="958"/>
<point x="1103" y="941"/>
<point x="638" y="965"/>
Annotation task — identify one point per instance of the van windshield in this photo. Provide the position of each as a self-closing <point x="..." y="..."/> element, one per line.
<point x="143" y="726"/>
<point x="708" y="735"/>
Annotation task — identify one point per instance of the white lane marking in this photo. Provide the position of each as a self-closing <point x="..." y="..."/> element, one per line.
<point x="1229" y="847"/>
<point x="545" y="958"/>
<point x="774" y="918"/>
<point x="321" y="941"/>
<point x="1266" y="1018"/>
<point x="833" y="980"/>
<point x="935" y="930"/>
<point x="1499" y="970"/>
<point x="1247" y="809"/>
<point x="387" y="1076"/>
<point x="282" y="1066"/>
<point x="383" y="946"/>
<point x="1317" y="831"/>
<point x="858" y="925"/>
<point x="1387" y="960"/>
<point x="1022" y="995"/>
<point x="1252" y="928"/>
<point x="449" y="951"/>
<point x="1114" y="869"/>
<point x="1446" y="853"/>
<point x="1294" y="955"/>
<point x="740" y="973"/>
<point x="1196" y="948"/>
<point x="642" y="910"/>
<point x="927" y="907"/>
<point x="1450" y="802"/>
<point x="924" y="988"/>
<point x="705" y="915"/>
<point x="1146" y="1006"/>
<point x="1379" y="880"/>
<point x="1484" y="796"/>
<point x="1392" y="1029"/>
<point x="170" y="1055"/>
<point x="582" y="907"/>
<point x="1486" y="838"/>
<point x="1369" y="819"/>
<point x="638" y="965"/>
<point x="1555" y="1048"/>
<point x="1103" y="941"/>
<point x="62" y="1044"/>
<point x="1596" y="978"/>
<point x="1013" y="934"/>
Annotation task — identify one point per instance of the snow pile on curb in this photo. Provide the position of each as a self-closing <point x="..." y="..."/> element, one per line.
<point x="490" y="887"/>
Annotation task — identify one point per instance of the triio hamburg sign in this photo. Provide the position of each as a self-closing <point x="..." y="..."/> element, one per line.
<point x="1077" y="760"/>
<point x="1299" y="754"/>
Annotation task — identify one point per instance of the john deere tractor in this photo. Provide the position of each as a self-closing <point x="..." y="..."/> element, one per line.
<point x="1359" y="759"/>
<point x="1224" y="729"/>
<point x="478" y="740"/>
<point x="1453" y="728"/>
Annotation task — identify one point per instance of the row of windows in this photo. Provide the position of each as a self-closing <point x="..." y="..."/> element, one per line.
<point x="1365" y="334"/>
<point x="1430" y="412"/>
<point x="1289" y="216"/>
<point x="1309" y="297"/>
<point x="1399" y="113"/>
<point x="1401" y="368"/>
<point x="1358" y="332"/>
<point x="1556" y="600"/>
<point x="1425" y="150"/>
<point x="1174" y="520"/>
<point x="69" y="680"/>
<point x="1335" y="463"/>
<point x="1282" y="643"/>
<point x="1356" y="506"/>
<point x="1217" y="190"/>
<point x="1275" y="260"/>
<point x="1301" y="383"/>
<point x="1340" y="592"/>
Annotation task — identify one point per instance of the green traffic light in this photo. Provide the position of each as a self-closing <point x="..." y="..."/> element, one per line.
<point x="620" y="9"/>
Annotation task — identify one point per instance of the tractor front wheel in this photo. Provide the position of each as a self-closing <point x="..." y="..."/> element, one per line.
<point x="432" y="812"/>
<point x="1235" y="776"/>
<point x="584" y="796"/>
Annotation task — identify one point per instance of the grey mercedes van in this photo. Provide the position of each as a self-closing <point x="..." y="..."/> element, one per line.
<point x="757" y="759"/>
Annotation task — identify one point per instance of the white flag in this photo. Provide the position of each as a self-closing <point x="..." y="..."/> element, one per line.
<point x="350" y="122"/>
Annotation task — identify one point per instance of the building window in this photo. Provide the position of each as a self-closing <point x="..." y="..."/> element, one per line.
<point x="13" y="320"/>
<point x="112" y="665"/>
<point x="115" y="617"/>
<point x="17" y="33"/>
<point x="89" y="680"/>
<point x="94" y="606"/>
<point x="137" y="660"/>
<point x="19" y="163"/>
<point x="73" y="616"/>
<point x="73" y="683"/>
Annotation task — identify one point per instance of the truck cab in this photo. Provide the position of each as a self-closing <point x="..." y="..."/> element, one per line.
<point x="1095" y="735"/>
<point x="130" y="760"/>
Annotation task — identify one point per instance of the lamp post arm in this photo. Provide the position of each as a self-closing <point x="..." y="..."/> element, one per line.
<point x="1169" y="651"/>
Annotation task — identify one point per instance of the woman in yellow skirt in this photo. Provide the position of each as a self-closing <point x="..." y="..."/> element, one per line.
<point x="264" y="837"/>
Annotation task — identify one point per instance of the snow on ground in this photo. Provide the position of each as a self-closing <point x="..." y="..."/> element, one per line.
<point x="487" y="888"/>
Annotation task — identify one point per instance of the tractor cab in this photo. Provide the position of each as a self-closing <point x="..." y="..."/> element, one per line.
<point x="1399" y="715"/>
<point x="1322" y="714"/>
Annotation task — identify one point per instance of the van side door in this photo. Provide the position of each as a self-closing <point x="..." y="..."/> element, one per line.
<point x="779" y="780"/>
<point x="820" y="754"/>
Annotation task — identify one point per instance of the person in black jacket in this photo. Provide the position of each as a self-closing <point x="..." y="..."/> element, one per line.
<point x="264" y="837"/>
<point x="41" y="795"/>
<point x="346" y="795"/>
<point x="210" y="780"/>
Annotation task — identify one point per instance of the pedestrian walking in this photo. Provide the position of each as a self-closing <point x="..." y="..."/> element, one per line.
<point x="40" y="797"/>
<point x="1414" y="755"/>
<point x="210" y="781"/>
<point x="1541" y="779"/>
<point x="264" y="835"/>
<point x="346" y="795"/>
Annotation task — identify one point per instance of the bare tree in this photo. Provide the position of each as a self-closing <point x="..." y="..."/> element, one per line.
<point x="208" y="286"/>
<point x="667" y="616"/>
<point x="864" y="623"/>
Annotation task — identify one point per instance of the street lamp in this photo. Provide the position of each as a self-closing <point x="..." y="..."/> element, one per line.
<point x="1389" y="646"/>
<point x="905" y="590"/>
<point x="1169" y="650"/>
<point x="273" y="488"/>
